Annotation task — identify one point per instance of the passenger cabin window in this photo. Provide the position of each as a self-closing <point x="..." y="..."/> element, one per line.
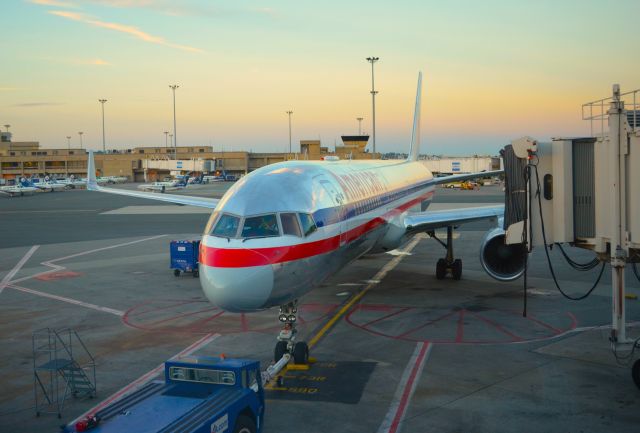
<point x="260" y="226"/>
<point x="227" y="226"/>
<point x="308" y="225"/>
<point x="290" y="224"/>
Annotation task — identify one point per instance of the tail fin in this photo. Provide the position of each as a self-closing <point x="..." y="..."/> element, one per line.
<point x="414" y="150"/>
<point x="92" y="182"/>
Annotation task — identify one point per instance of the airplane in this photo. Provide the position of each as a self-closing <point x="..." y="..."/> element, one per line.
<point x="72" y="182"/>
<point x="165" y="186"/>
<point x="282" y="230"/>
<point x="50" y="185"/>
<point x="21" y="188"/>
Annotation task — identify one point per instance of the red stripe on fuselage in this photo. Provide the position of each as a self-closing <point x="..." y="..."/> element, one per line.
<point x="247" y="257"/>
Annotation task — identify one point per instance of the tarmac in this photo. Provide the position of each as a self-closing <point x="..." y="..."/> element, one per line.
<point x="397" y="350"/>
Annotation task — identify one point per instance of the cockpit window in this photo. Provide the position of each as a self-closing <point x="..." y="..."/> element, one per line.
<point x="308" y="225"/>
<point x="227" y="226"/>
<point x="290" y="224"/>
<point x="212" y="220"/>
<point x="260" y="226"/>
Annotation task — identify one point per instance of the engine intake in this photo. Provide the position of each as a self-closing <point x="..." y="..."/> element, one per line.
<point x="502" y="262"/>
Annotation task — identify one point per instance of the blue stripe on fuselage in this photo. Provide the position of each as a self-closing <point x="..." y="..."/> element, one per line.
<point x="333" y="215"/>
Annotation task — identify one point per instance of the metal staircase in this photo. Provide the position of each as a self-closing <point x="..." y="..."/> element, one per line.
<point x="62" y="367"/>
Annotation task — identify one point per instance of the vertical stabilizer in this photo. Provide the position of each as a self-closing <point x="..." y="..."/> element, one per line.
<point x="92" y="183"/>
<point x="415" y="133"/>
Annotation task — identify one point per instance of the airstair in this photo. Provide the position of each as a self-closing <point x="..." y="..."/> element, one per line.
<point x="62" y="367"/>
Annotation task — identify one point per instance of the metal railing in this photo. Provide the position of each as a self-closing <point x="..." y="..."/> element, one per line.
<point x="597" y="111"/>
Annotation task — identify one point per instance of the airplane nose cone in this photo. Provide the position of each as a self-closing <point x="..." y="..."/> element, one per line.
<point x="237" y="289"/>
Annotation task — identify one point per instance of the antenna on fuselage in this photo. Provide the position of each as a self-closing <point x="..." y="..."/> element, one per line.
<point x="414" y="149"/>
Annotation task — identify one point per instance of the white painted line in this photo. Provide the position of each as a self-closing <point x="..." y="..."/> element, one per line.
<point x="12" y="273"/>
<point x="392" y="422"/>
<point x="56" y="268"/>
<point x="145" y="378"/>
<point x="68" y="300"/>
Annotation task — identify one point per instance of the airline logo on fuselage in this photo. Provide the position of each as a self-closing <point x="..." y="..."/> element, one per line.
<point x="360" y="185"/>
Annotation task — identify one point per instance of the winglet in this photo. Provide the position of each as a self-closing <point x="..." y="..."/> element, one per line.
<point x="415" y="133"/>
<point x="92" y="182"/>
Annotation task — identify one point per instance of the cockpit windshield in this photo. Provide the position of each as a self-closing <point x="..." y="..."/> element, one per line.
<point x="227" y="226"/>
<point x="260" y="226"/>
<point x="269" y="225"/>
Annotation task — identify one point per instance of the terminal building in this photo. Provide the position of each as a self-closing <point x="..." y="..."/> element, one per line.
<point x="146" y="164"/>
<point x="29" y="159"/>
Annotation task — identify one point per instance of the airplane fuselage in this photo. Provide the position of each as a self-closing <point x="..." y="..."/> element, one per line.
<point x="260" y="250"/>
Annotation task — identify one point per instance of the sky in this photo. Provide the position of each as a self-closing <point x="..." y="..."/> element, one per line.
<point x="493" y="70"/>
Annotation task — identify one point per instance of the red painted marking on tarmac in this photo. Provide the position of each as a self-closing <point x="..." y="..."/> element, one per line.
<point x="380" y="319"/>
<point x="402" y="407"/>
<point x="53" y="276"/>
<point x="498" y="327"/>
<point x="546" y="325"/>
<point x="243" y="321"/>
<point x="431" y="322"/>
<point x="180" y="316"/>
<point x="460" y="331"/>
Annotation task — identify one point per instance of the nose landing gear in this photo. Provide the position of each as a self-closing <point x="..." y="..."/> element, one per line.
<point x="288" y="316"/>
<point x="447" y="264"/>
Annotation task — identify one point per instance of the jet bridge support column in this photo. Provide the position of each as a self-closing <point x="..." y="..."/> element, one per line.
<point x="617" y="166"/>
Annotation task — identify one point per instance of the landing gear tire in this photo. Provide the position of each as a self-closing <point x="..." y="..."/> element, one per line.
<point x="635" y="373"/>
<point x="244" y="424"/>
<point x="456" y="269"/>
<point x="279" y="351"/>
<point x="196" y="274"/>
<point x="441" y="269"/>
<point x="176" y="272"/>
<point x="301" y="353"/>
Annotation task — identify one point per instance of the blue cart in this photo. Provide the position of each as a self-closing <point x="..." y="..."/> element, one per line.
<point x="184" y="257"/>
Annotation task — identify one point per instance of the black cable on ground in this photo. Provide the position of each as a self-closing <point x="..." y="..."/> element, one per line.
<point x="626" y="359"/>
<point x="546" y="250"/>
<point x="579" y="266"/>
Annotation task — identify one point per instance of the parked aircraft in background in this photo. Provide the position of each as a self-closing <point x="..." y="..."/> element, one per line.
<point x="283" y="229"/>
<point x="165" y="186"/>
<point x="23" y="187"/>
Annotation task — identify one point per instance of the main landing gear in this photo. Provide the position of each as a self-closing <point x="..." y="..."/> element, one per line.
<point x="287" y="338"/>
<point x="447" y="264"/>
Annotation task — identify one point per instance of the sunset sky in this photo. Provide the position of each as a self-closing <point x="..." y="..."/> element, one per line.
<point x="493" y="70"/>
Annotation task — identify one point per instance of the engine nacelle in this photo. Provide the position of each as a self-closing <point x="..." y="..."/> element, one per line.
<point x="502" y="262"/>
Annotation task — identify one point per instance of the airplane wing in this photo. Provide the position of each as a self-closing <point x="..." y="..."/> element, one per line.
<point x="467" y="176"/>
<point x="430" y="220"/>
<point x="92" y="185"/>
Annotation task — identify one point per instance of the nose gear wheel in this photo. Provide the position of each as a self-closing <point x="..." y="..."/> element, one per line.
<point x="288" y="316"/>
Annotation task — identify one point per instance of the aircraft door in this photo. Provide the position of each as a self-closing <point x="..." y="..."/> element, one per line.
<point x="338" y="199"/>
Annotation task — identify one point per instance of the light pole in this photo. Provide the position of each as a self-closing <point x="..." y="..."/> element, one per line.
<point x="66" y="165"/>
<point x="173" y="87"/>
<point x="372" y="60"/>
<point x="7" y="126"/>
<point x="359" y="119"/>
<point x="165" y="141"/>
<point x="104" y="148"/>
<point x="290" y="112"/>
<point x="80" y="134"/>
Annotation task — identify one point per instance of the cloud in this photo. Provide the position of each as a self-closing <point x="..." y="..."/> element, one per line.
<point x="123" y="28"/>
<point x="36" y="104"/>
<point x="99" y="62"/>
<point x="55" y="3"/>
<point x="8" y="89"/>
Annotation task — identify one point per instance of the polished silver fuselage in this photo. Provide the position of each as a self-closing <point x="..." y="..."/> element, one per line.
<point x="358" y="206"/>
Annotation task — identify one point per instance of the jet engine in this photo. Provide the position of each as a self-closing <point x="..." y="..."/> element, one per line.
<point x="501" y="261"/>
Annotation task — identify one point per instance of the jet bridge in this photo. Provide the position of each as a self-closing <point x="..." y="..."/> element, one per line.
<point x="584" y="191"/>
